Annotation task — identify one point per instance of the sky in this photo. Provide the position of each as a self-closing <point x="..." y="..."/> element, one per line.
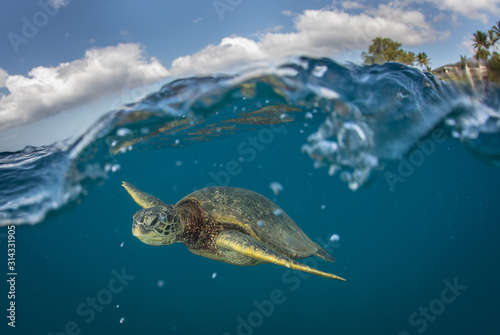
<point x="66" y="62"/>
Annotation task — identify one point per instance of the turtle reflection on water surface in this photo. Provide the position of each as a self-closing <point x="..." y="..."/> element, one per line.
<point x="228" y="224"/>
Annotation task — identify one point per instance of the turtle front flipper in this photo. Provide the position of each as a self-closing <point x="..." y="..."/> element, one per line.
<point x="234" y="242"/>
<point x="141" y="198"/>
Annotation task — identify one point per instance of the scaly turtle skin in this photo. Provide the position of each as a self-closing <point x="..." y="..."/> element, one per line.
<point x="228" y="224"/>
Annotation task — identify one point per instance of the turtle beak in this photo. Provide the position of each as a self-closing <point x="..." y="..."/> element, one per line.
<point x="145" y="235"/>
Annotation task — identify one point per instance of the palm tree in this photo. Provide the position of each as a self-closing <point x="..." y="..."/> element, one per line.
<point x="480" y="40"/>
<point x="424" y="60"/>
<point x="482" y="54"/>
<point x="481" y="45"/>
<point x="493" y="38"/>
<point x="496" y="28"/>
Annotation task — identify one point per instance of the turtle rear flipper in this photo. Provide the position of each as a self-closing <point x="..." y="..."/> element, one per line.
<point x="142" y="198"/>
<point x="236" y="241"/>
<point x="324" y="254"/>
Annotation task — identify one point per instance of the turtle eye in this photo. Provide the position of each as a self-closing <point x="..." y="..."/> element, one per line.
<point x="151" y="221"/>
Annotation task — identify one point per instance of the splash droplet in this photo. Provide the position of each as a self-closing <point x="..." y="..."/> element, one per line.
<point x="319" y="70"/>
<point x="28" y="149"/>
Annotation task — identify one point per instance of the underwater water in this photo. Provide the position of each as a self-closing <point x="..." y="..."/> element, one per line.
<point x="392" y="171"/>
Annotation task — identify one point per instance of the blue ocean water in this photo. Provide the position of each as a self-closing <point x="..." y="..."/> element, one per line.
<point x="400" y="166"/>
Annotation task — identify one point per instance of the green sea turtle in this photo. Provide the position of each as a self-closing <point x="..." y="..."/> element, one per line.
<point x="228" y="224"/>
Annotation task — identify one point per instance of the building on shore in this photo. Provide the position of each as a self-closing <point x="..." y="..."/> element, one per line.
<point x="462" y="71"/>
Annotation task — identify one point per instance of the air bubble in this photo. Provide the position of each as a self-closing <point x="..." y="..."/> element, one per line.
<point x="309" y="115"/>
<point x="323" y="206"/>
<point x="333" y="169"/>
<point x="122" y="320"/>
<point x="352" y="137"/>
<point x="160" y="283"/>
<point x="335" y="238"/>
<point x="214" y="275"/>
<point x="123" y="132"/>
<point x="178" y="163"/>
<point x="278" y="212"/>
<point x="122" y="244"/>
<point x="450" y="122"/>
<point x="260" y="224"/>
<point x="116" y="168"/>
<point x="276" y="187"/>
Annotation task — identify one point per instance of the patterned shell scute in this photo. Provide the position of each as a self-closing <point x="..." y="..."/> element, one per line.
<point x="255" y="215"/>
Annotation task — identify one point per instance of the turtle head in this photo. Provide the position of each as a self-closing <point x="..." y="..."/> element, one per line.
<point x="158" y="225"/>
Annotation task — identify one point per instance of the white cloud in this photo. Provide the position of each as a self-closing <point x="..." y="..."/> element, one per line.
<point x="467" y="45"/>
<point x="447" y="17"/>
<point x="48" y="91"/>
<point x="3" y="77"/>
<point x="273" y="29"/>
<point x="349" y="5"/>
<point x="287" y="12"/>
<point x="317" y="33"/>
<point x="473" y="9"/>
<point x="58" y="3"/>
<point x="230" y="52"/>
